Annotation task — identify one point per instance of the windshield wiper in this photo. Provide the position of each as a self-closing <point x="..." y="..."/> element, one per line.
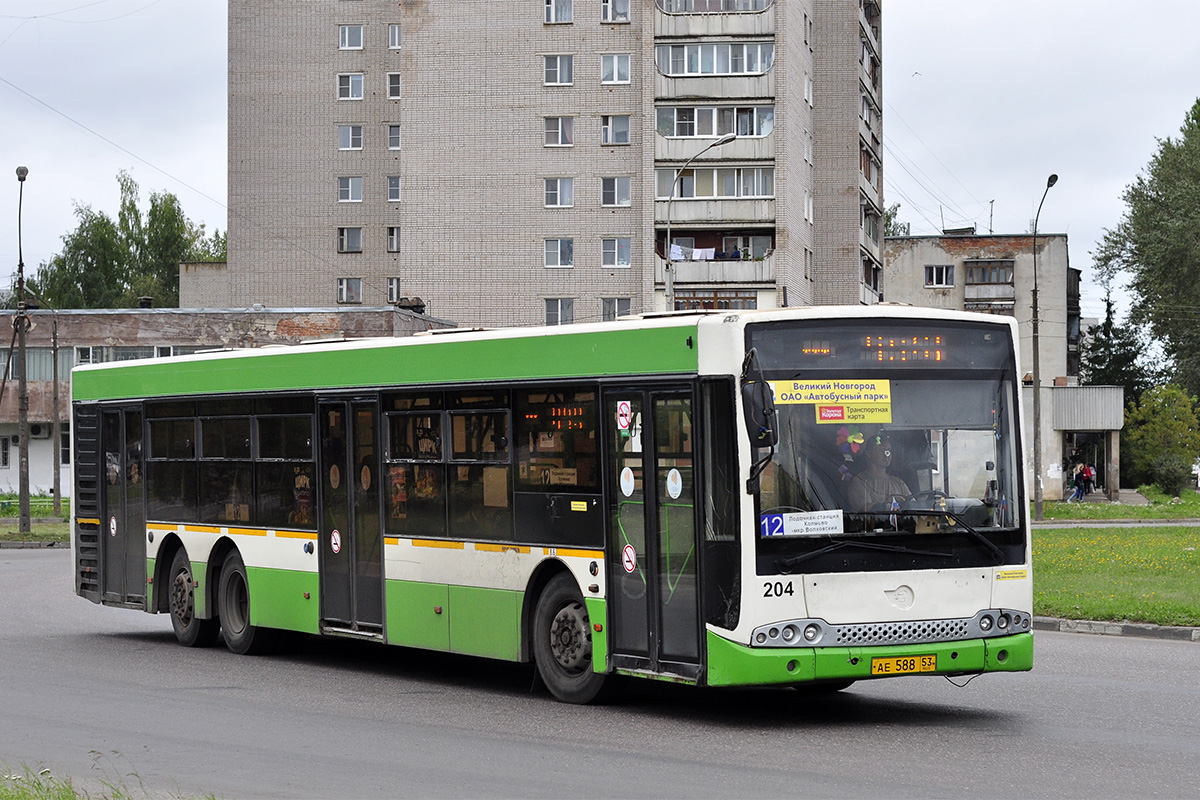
<point x="987" y="543"/>
<point x="838" y="544"/>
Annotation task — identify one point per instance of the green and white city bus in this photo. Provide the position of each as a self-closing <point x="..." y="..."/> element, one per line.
<point x="684" y="497"/>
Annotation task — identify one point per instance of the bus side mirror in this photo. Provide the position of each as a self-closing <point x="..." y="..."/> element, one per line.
<point x="758" y="402"/>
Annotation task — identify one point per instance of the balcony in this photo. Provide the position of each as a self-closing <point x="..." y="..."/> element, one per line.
<point x="744" y="148"/>
<point x="746" y="271"/>
<point x="708" y="87"/>
<point x="978" y="292"/>
<point x="724" y="20"/>
<point x="729" y="213"/>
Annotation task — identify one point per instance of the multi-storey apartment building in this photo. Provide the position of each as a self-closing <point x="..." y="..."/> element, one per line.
<point x="521" y="162"/>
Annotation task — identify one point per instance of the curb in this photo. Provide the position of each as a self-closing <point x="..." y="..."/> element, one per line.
<point x="33" y="545"/>
<point x="1140" y="629"/>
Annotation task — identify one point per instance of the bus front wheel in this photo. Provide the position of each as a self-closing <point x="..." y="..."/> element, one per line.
<point x="190" y="630"/>
<point x="233" y="602"/>
<point x="562" y="645"/>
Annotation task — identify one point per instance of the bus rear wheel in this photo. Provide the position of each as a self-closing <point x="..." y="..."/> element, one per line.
<point x="562" y="643"/>
<point x="233" y="602"/>
<point x="190" y="630"/>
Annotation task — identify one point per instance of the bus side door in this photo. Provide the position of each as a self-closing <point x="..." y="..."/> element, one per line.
<point x="123" y="527"/>
<point x="653" y="590"/>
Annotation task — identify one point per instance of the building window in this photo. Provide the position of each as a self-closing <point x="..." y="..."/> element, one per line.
<point x="349" y="190"/>
<point x="350" y="37"/>
<point x="939" y="275"/>
<point x="990" y="272"/>
<point x="724" y="58"/>
<point x="558" y="10"/>
<point x="349" y="240"/>
<point x="614" y="68"/>
<point x="560" y="70"/>
<point x="393" y="137"/>
<point x="560" y="252"/>
<point x="349" y="290"/>
<point x="560" y="192"/>
<point x="350" y="137"/>
<point x="393" y="184"/>
<point x="871" y="274"/>
<point x="613" y="307"/>
<point x="614" y="11"/>
<point x="393" y="85"/>
<point x="614" y="129"/>
<point x="736" y="247"/>
<point x="64" y="443"/>
<point x="615" y="252"/>
<point x="393" y="290"/>
<point x="715" y="299"/>
<point x="350" y="86"/>
<point x="707" y="121"/>
<point x="393" y="239"/>
<point x="615" y="191"/>
<point x="4" y="458"/>
<point x="559" y="131"/>
<point x="83" y="355"/>
<point x="712" y="6"/>
<point x="559" y="311"/>
<point x="716" y="182"/>
<point x="394" y="36"/>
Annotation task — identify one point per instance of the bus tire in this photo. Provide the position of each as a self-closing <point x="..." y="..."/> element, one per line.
<point x="233" y="602"/>
<point x="190" y="630"/>
<point x="562" y="643"/>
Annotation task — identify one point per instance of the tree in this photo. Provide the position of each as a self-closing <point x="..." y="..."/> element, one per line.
<point x="891" y="226"/>
<point x="107" y="263"/>
<point x="1115" y="355"/>
<point x="1156" y="243"/>
<point x="1160" y="432"/>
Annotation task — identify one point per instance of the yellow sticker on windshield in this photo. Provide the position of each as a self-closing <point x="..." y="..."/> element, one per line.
<point x="832" y="392"/>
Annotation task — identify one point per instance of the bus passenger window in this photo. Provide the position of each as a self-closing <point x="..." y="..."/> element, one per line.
<point x="556" y="440"/>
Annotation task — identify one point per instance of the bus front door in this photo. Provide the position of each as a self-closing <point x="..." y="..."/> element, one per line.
<point x="123" y="534"/>
<point x="350" y="539"/>
<point x="653" y="592"/>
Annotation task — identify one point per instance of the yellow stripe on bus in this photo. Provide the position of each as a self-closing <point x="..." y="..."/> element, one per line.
<point x="390" y="540"/>
<point x="501" y="548"/>
<point x="295" y="535"/>
<point x="434" y="543"/>
<point x="87" y="521"/>
<point x="247" y="531"/>
<point x="161" y="526"/>
<point x="201" y="529"/>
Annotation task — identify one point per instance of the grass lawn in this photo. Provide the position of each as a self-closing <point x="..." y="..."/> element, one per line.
<point x="1160" y="507"/>
<point x="38" y="531"/>
<point x="1122" y="574"/>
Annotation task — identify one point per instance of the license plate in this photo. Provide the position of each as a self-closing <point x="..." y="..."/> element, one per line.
<point x="903" y="665"/>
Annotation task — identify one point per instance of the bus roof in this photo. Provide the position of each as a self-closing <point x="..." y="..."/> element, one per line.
<point x="658" y="344"/>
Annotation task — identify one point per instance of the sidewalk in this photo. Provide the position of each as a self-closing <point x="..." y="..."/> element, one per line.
<point x="1139" y="629"/>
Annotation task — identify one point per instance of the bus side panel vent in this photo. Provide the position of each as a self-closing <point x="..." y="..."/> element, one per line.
<point x="85" y="429"/>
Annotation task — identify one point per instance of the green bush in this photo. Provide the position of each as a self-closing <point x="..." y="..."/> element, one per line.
<point x="1171" y="473"/>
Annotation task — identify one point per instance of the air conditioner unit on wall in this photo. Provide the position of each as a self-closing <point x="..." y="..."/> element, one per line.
<point x="39" y="430"/>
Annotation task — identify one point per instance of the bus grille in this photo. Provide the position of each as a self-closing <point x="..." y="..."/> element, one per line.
<point x="819" y="633"/>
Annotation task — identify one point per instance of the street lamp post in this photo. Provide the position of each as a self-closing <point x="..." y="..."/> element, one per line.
<point x="20" y="322"/>
<point x="669" y="276"/>
<point x="1037" y="368"/>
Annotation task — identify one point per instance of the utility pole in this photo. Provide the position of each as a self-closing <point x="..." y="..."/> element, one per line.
<point x="21" y="322"/>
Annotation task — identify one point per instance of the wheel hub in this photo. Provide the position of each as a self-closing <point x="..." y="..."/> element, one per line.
<point x="569" y="640"/>
<point x="181" y="597"/>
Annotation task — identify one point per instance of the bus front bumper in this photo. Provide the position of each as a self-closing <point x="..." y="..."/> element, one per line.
<point x="732" y="664"/>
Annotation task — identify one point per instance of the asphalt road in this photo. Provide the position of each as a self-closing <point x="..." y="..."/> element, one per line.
<point x="104" y="695"/>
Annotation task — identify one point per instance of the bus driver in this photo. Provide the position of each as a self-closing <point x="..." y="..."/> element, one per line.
<point x="873" y="486"/>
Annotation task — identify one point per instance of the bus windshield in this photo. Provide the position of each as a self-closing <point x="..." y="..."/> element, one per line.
<point x="896" y="448"/>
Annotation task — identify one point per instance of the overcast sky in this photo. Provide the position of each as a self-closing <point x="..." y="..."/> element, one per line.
<point x="982" y="101"/>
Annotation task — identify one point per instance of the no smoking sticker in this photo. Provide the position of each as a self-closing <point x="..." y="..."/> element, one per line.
<point x="335" y="541"/>
<point x="629" y="558"/>
<point x="624" y="414"/>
